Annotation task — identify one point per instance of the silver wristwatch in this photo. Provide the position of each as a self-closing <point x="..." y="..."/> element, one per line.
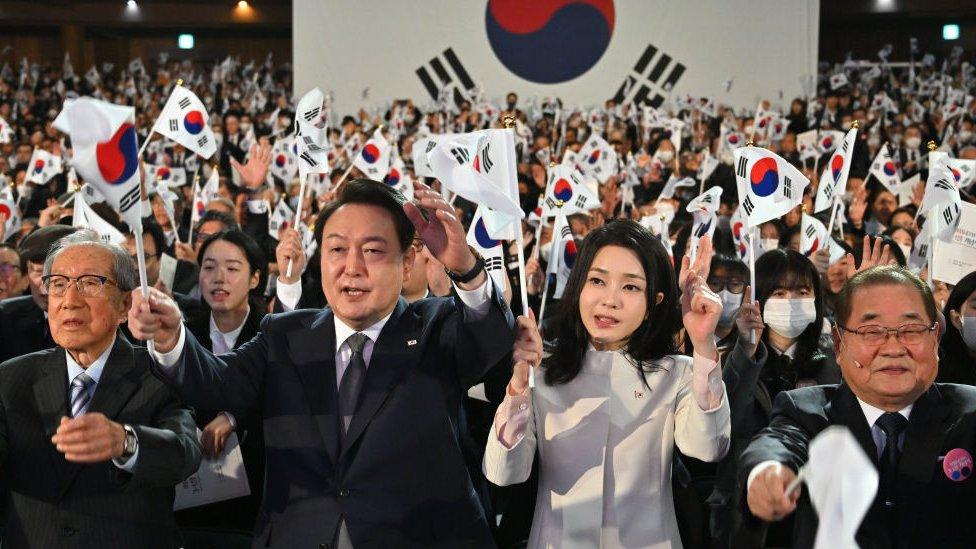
<point x="130" y="444"/>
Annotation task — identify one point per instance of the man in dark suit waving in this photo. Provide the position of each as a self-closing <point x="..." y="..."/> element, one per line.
<point x="360" y="400"/>
<point x="91" y="443"/>
<point x="920" y="435"/>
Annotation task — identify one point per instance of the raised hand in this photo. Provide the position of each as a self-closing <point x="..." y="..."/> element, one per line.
<point x="255" y="171"/>
<point x="748" y="320"/>
<point x="872" y="255"/>
<point x="701" y="266"/>
<point x="526" y="353"/>
<point x="855" y="213"/>
<point x="157" y="318"/>
<point x="767" y="497"/>
<point x="290" y="249"/>
<point x="442" y="232"/>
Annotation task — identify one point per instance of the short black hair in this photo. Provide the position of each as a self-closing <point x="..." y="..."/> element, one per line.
<point x="216" y="215"/>
<point x="881" y="275"/>
<point x="150" y="226"/>
<point x="374" y="193"/>
<point x="252" y="251"/>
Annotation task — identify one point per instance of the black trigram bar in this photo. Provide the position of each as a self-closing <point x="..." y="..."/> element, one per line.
<point x="787" y="187"/>
<point x="202" y="141"/>
<point x="185" y="103"/>
<point x="811" y="230"/>
<point x="311" y="114"/>
<point x="460" y="79"/>
<point x="174" y="125"/>
<point x="741" y="170"/>
<point x="486" y="162"/>
<point x="461" y="155"/>
<point x="580" y="201"/>
<point x="494" y="264"/>
<point x="748" y="206"/>
<point x="645" y="84"/>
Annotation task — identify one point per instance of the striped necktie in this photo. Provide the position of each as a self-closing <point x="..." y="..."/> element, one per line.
<point x="80" y="397"/>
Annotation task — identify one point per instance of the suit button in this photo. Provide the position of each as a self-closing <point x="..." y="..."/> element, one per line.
<point x="343" y="493"/>
<point x="68" y="531"/>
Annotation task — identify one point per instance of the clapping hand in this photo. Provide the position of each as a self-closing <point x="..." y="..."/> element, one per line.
<point x="872" y="255"/>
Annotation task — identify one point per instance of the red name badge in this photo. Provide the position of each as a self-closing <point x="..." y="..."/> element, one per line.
<point x="958" y="464"/>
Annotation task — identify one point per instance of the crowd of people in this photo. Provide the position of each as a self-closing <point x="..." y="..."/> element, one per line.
<point x="385" y="392"/>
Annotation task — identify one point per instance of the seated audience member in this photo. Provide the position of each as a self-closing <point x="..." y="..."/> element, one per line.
<point x="12" y="279"/>
<point x="919" y="434"/>
<point x="23" y="323"/>
<point x="728" y="277"/>
<point x="231" y="278"/>
<point x="615" y="342"/>
<point x="93" y="444"/>
<point x="957" y="353"/>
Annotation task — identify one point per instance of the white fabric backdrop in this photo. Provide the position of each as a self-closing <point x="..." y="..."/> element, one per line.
<point x="767" y="46"/>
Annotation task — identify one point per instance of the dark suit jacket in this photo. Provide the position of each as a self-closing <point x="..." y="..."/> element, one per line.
<point x="932" y="511"/>
<point x="398" y="478"/>
<point x="54" y="503"/>
<point x="23" y="328"/>
<point x="237" y="513"/>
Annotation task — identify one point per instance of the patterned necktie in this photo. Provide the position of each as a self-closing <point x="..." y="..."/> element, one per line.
<point x="80" y="396"/>
<point x="892" y="423"/>
<point x="352" y="379"/>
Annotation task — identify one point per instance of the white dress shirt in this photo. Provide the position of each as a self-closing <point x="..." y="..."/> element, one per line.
<point x="223" y="342"/>
<point x="94" y="371"/>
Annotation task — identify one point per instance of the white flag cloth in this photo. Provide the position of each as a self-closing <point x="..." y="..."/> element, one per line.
<point x="167" y="176"/>
<point x="674" y="184"/>
<point x="921" y="249"/>
<point x="885" y="170"/>
<point x="421" y="149"/>
<point x="374" y="158"/>
<point x="842" y="483"/>
<point x="203" y="196"/>
<point x="284" y="159"/>
<point x="768" y="185"/>
<point x="106" y="154"/>
<point x="42" y="167"/>
<point x="731" y="139"/>
<point x="567" y="192"/>
<point x="562" y="255"/>
<point x="829" y="140"/>
<point x="11" y="215"/>
<point x="940" y="187"/>
<point x="312" y="139"/>
<point x="491" y="249"/>
<point x="707" y="166"/>
<point x="452" y="161"/>
<point x="708" y="200"/>
<point x="833" y="181"/>
<point x="806" y="144"/>
<point x="838" y="81"/>
<point x="84" y="216"/>
<point x="704" y="222"/>
<point x="674" y="127"/>
<point x="6" y="132"/>
<point x="963" y="171"/>
<point x="399" y="179"/>
<point x="281" y="218"/>
<point x="814" y="237"/>
<point x="184" y="120"/>
<point x="597" y="158"/>
<point x="741" y="234"/>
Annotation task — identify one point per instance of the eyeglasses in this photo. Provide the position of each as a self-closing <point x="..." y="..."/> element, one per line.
<point x="6" y="269"/>
<point x="734" y="285"/>
<point x="88" y="285"/>
<point x="908" y="334"/>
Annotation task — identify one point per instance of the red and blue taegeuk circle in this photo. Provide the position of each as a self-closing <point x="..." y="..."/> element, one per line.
<point x="562" y="190"/>
<point x="549" y="41"/>
<point x="956" y="174"/>
<point x="392" y="178"/>
<point x="889" y="168"/>
<point x="39" y="166"/>
<point x="163" y="173"/>
<point x="569" y="254"/>
<point x="764" y="177"/>
<point x="281" y="160"/>
<point x="594" y="157"/>
<point x="371" y="153"/>
<point x="194" y="122"/>
<point x="482" y="237"/>
<point x="836" y="166"/>
<point x="118" y="158"/>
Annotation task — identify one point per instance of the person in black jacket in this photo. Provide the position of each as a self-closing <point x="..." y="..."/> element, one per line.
<point x="957" y="352"/>
<point x="919" y="434"/>
<point x="23" y="323"/>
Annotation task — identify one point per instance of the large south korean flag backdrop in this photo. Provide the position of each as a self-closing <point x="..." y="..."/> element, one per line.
<point x="368" y="52"/>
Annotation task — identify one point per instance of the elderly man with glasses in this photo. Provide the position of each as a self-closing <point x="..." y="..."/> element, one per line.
<point x="920" y="435"/>
<point x="91" y="443"/>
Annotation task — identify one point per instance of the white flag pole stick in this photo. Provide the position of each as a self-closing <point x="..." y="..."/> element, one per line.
<point x="298" y="217"/>
<point x="752" y="274"/>
<point x="833" y="214"/>
<point x="538" y="235"/>
<point x="795" y="484"/>
<point x="520" y="244"/>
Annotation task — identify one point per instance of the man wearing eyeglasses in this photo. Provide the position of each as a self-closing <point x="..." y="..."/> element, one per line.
<point x="91" y="443"/>
<point x="921" y="436"/>
<point x="12" y="280"/>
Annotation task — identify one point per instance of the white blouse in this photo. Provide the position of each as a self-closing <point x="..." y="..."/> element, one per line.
<point x="607" y="416"/>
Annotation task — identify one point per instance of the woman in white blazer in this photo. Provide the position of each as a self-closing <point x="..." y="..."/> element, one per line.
<point x="614" y="398"/>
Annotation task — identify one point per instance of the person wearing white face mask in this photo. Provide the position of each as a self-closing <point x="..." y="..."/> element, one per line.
<point x="727" y="277"/>
<point x="957" y="351"/>
<point x="777" y="349"/>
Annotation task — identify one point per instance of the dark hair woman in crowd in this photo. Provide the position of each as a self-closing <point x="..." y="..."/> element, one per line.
<point x="957" y="352"/>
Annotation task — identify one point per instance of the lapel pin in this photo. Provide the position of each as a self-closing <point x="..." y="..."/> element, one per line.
<point x="957" y="465"/>
<point x="638" y="394"/>
<point x="411" y="343"/>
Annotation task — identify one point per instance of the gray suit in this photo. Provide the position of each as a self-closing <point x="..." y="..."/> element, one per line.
<point x="51" y="502"/>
